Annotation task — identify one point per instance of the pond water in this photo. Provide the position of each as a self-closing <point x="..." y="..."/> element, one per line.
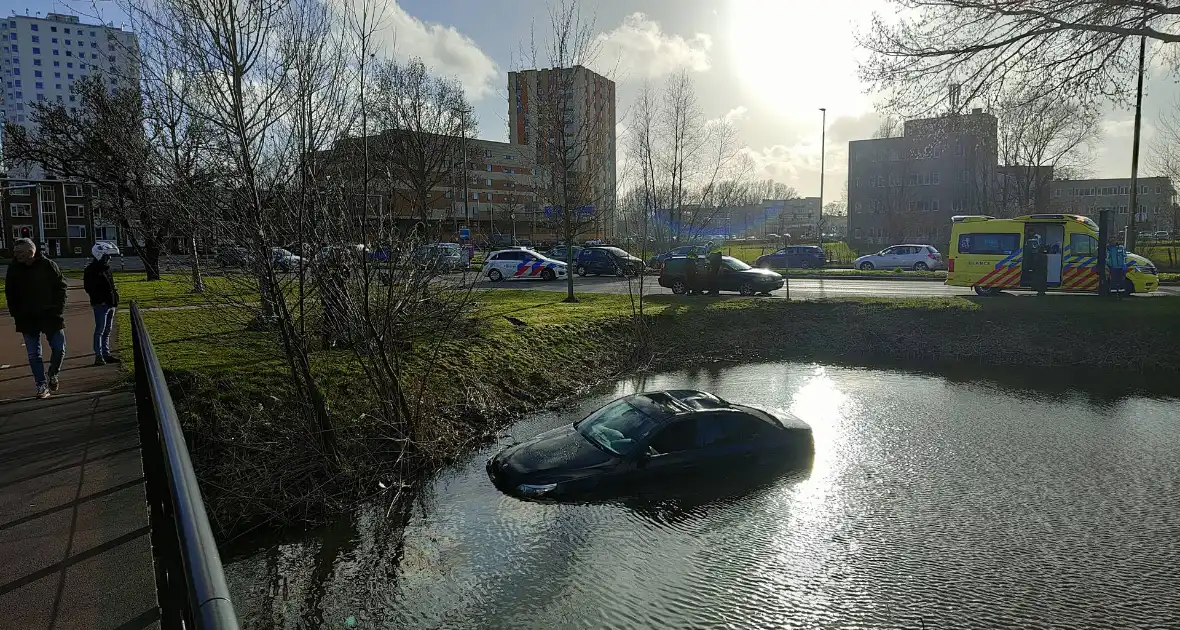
<point x="933" y="501"/>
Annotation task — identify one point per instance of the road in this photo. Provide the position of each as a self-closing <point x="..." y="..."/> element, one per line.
<point x="800" y="289"/>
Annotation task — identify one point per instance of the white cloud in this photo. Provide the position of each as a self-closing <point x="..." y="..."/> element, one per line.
<point x="799" y="166"/>
<point x="641" y="46"/>
<point x="740" y="112"/>
<point x="445" y="50"/>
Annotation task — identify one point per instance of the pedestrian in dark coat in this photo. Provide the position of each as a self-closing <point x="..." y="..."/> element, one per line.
<point x="36" y="293"/>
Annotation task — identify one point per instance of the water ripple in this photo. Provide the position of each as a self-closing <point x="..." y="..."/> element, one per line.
<point x="932" y="503"/>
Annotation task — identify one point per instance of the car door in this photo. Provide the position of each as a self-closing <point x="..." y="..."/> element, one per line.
<point x="889" y="258"/>
<point x="602" y="262"/>
<point x="671" y="454"/>
<point x="728" y="439"/>
<point x="731" y="279"/>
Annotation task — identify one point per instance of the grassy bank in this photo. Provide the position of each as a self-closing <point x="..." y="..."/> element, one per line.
<point x="257" y="468"/>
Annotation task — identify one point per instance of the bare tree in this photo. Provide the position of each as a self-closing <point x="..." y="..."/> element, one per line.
<point x="1036" y="138"/>
<point x="890" y="127"/>
<point x="423" y="120"/>
<point x="104" y="142"/>
<point x="572" y="125"/>
<point x="1164" y="156"/>
<point x="1078" y="49"/>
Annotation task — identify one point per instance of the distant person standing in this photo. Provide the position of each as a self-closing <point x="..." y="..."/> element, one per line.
<point x="104" y="297"/>
<point x="714" y="258"/>
<point x="36" y="293"/>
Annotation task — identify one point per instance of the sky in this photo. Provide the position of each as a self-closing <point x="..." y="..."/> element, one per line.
<point x="767" y="65"/>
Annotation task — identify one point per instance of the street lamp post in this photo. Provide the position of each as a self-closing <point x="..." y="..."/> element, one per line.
<point x="822" y="140"/>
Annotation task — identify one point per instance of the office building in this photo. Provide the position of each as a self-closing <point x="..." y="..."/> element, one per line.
<point x="42" y="57"/>
<point x="581" y="104"/>
<point x="1156" y="201"/>
<point x="906" y="189"/>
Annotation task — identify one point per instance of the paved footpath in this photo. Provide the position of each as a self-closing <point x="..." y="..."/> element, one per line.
<point x="74" y="540"/>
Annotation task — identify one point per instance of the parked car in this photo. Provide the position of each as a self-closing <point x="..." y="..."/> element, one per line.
<point x="915" y="257"/>
<point x="611" y="261"/>
<point x="443" y="257"/>
<point x="284" y="260"/>
<point x="735" y="275"/>
<point x="521" y="264"/>
<point x="658" y="261"/>
<point x="793" y="257"/>
<point x="658" y="437"/>
<point x="1163" y="235"/>
<point x="233" y="257"/>
<point x="559" y="252"/>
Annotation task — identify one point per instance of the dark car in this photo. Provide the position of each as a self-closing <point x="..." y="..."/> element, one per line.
<point x="612" y="261"/>
<point x="793" y="257"/>
<point x="658" y="261"/>
<point x="662" y="436"/>
<point x="559" y="252"/>
<point x="233" y="257"/>
<point x="735" y="275"/>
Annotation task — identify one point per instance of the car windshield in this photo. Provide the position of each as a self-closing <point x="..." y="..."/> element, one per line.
<point x="281" y="252"/>
<point x="617" y="252"/>
<point x="617" y="428"/>
<point x="736" y="264"/>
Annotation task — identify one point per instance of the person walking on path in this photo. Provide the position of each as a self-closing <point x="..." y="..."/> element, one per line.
<point x="36" y="293"/>
<point x="99" y="283"/>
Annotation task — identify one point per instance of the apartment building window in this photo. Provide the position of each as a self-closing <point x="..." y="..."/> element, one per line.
<point x="75" y="211"/>
<point x="1159" y="190"/>
<point x="21" y="209"/>
<point x="49" y="217"/>
<point x="488" y="182"/>
<point x="76" y="231"/>
<point x="489" y="168"/>
<point x="934" y="178"/>
<point x="450" y="194"/>
<point x="856" y="182"/>
<point x="488" y="196"/>
<point x="475" y="196"/>
<point x="959" y="148"/>
<point x="18" y="229"/>
<point x="913" y="179"/>
<point x="36" y="62"/>
<point x="73" y="190"/>
<point x="957" y="205"/>
<point x="934" y="205"/>
<point x="46" y="193"/>
<point x="964" y="176"/>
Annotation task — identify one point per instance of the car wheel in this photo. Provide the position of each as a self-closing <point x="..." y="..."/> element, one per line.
<point x="921" y="266"/>
<point x="985" y="291"/>
<point x="679" y="287"/>
<point x="548" y="275"/>
<point x="495" y="275"/>
<point x="746" y="289"/>
<point x="866" y="266"/>
<point x="806" y="264"/>
<point x="582" y="270"/>
<point x="620" y="272"/>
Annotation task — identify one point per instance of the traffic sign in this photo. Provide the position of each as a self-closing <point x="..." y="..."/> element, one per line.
<point x="464" y="232"/>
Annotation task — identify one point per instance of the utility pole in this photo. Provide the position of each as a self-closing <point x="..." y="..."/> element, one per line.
<point x="1129" y="240"/>
<point x="822" y="140"/>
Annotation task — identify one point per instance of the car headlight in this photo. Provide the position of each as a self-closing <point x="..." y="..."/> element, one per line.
<point x="535" y="490"/>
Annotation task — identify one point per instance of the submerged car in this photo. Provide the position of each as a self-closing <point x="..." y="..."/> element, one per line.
<point x="661" y="436"/>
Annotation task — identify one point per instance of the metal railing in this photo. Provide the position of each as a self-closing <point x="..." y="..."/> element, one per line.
<point x="190" y="583"/>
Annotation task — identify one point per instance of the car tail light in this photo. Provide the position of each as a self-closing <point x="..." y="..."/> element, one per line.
<point x="932" y="256"/>
<point x="950" y="264"/>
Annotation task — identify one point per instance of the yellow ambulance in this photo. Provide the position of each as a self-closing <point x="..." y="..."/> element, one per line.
<point x="986" y="254"/>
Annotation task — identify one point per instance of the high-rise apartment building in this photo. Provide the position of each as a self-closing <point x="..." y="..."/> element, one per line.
<point x="42" y="57"/>
<point x="580" y="104"/>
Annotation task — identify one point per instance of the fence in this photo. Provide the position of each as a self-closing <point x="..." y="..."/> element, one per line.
<point x="190" y="583"/>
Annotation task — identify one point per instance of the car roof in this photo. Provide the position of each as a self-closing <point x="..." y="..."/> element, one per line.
<point x="669" y="403"/>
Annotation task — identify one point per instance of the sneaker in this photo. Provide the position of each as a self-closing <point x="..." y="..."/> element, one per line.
<point x="43" y="391"/>
<point x="54" y="384"/>
<point x="99" y="361"/>
<point x="109" y="359"/>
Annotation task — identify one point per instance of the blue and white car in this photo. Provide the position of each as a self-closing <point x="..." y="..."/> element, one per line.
<point x="521" y="264"/>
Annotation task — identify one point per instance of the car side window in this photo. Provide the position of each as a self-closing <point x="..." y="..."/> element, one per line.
<point x="1083" y="245"/>
<point x="723" y="428"/>
<point x="676" y="437"/>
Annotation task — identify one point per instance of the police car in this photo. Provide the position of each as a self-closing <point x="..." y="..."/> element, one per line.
<point x="521" y="264"/>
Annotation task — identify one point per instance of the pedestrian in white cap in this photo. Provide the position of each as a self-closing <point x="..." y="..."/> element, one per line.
<point x="104" y="297"/>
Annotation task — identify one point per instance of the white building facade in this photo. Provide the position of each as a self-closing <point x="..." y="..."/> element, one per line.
<point x="42" y="57"/>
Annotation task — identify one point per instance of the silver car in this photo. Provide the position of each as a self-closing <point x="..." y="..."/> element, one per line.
<point x="915" y="257"/>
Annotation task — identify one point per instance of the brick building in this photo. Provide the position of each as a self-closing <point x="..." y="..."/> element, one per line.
<point x="64" y="209"/>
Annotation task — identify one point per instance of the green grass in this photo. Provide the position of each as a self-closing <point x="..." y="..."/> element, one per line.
<point x="253" y="455"/>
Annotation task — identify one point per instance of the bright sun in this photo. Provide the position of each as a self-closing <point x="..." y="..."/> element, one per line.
<point x="800" y="56"/>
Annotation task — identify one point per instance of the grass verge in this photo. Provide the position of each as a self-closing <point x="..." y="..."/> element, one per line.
<point x="258" y="470"/>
